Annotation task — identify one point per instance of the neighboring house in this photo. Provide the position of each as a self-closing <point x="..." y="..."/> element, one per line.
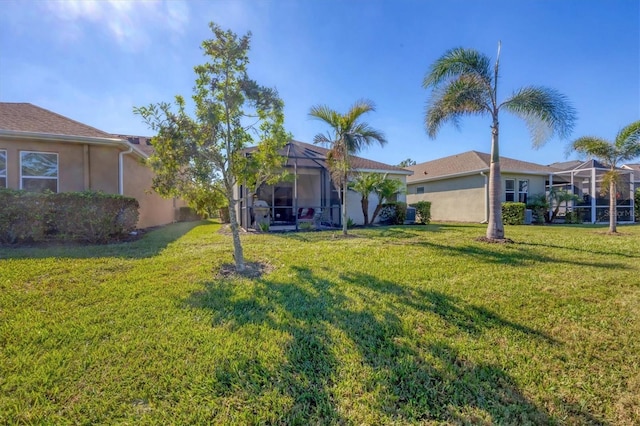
<point x="458" y="186"/>
<point x="309" y="194"/>
<point x="40" y="150"/>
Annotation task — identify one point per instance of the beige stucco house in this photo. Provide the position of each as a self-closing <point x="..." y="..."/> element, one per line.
<point x="309" y="193"/>
<point x="457" y="186"/>
<point x="40" y="149"/>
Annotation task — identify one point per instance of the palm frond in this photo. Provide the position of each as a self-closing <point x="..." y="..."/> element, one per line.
<point x="546" y="112"/>
<point x="361" y="106"/>
<point x="628" y="141"/>
<point x="326" y="114"/>
<point x="456" y="62"/>
<point x="466" y="95"/>
<point x="596" y="147"/>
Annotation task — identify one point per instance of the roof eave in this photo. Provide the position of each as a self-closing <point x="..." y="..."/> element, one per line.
<point x="395" y="172"/>
<point x="13" y="134"/>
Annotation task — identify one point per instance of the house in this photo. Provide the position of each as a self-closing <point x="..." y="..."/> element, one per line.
<point x="40" y="150"/>
<point x="309" y="193"/>
<point x="458" y="186"/>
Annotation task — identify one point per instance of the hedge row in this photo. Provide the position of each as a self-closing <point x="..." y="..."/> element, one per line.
<point x="69" y="216"/>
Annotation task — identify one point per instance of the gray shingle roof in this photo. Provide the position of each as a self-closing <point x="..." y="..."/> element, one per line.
<point x="469" y="162"/>
<point x="25" y="117"/>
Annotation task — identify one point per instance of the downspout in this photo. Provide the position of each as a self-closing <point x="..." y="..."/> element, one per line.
<point x="486" y="197"/>
<point x="121" y="169"/>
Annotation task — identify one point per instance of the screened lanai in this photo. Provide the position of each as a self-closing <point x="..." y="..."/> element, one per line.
<point x="586" y="181"/>
<point x="305" y="195"/>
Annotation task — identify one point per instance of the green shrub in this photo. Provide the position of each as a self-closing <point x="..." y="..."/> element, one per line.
<point x="513" y="213"/>
<point x="539" y="205"/>
<point x="85" y="216"/>
<point x="23" y="216"/>
<point x="423" y="211"/>
<point x="188" y="214"/>
<point x="572" y="217"/>
<point x="393" y="213"/>
<point x="223" y="213"/>
<point x="350" y="223"/>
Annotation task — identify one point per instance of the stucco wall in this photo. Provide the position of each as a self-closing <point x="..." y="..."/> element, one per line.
<point x="154" y="209"/>
<point x="462" y="199"/>
<point x="95" y="167"/>
<point x="459" y="199"/>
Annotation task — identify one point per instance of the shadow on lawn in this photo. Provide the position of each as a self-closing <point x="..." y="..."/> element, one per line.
<point x="407" y="375"/>
<point x="150" y="244"/>
<point x="510" y="254"/>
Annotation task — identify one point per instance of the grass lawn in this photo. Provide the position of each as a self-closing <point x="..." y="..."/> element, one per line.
<point x="396" y="325"/>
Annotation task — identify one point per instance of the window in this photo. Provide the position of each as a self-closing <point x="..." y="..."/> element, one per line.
<point x="3" y="169"/>
<point x="523" y="190"/>
<point x="420" y="190"/>
<point x="509" y="190"/>
<point x="39" y="171"/>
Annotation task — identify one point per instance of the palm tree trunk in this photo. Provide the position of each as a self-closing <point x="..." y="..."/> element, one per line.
<point x="365" y="209"/>
<point x="495" y="228"/>
<point x="613" y="211"/>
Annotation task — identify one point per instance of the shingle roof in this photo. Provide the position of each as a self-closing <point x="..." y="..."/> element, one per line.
<point x="143" y="143"/>
<point x="25" y="117"/>
<point x="469" y="162"/>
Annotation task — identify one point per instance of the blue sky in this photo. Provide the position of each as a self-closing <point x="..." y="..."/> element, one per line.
<point x="95" y="61"/>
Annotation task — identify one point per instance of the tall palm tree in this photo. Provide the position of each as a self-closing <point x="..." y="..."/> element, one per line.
<point x="347" y="137"/>
<point x="464" y="83"/>
<point x="625" y="147"/>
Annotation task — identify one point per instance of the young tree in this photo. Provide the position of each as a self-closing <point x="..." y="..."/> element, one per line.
<point x="386" y="189"/>
<point x="207" y="148"/>
<point x="463" y="83"/>
<point x="349" y="135"/>
<point x="364" y="184"/>
<point x="625" y="147"/>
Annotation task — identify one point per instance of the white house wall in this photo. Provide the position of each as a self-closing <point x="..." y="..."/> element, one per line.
<point x="354" y="206"/>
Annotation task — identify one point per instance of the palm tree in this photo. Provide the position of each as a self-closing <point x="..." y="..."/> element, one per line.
<point x="364" y="184"/>
<point x="463" y="83"/>
<point x="348" y="136"/>
<point x="625" y="147"/>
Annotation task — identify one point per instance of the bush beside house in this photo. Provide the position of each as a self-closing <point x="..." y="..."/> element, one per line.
<point x="68" y="216"/>
<point x="513" y="213"/>
<point x="423" y="211"/>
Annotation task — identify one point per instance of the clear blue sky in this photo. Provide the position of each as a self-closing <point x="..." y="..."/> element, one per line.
<point x="95" y="61"/>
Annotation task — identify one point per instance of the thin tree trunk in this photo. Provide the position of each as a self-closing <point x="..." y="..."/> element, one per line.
<point x="375" y="212"/>
<point x="344" y="206"/>
<point x="238" y="254"/>
<point x="613" y="211"/>
<point x="365" y="210"/>
<point x="495" y="228"/>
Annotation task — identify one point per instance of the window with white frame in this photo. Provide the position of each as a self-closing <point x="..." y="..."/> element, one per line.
<point x="523" y="190"/>
<point x="420" y="190"/>
<point x="510" y="190"/>
<point x="38" y="171"/>
<point x="3" y="168"/>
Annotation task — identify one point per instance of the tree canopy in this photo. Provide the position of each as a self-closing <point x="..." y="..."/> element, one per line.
<point x="206" y="149"/>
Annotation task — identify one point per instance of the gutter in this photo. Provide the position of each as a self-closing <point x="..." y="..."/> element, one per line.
<point x="121" y="169"/>
<point x="486" y="198"/>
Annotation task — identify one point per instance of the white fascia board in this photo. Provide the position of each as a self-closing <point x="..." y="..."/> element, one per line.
<point x="452" y="175"/>
<point x="12" y="134"/>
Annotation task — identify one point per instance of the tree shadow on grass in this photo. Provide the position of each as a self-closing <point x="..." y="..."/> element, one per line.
<point x="410" y="379"/>
<point x="512" y="254"/>
<point x="149" y="245"/>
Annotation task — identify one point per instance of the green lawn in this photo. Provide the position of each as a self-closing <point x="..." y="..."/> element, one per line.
<point x="398" y="325"/>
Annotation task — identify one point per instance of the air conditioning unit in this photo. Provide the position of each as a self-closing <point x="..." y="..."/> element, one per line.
<point x="410" y="217"/>
<point x="528" y="217"/>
